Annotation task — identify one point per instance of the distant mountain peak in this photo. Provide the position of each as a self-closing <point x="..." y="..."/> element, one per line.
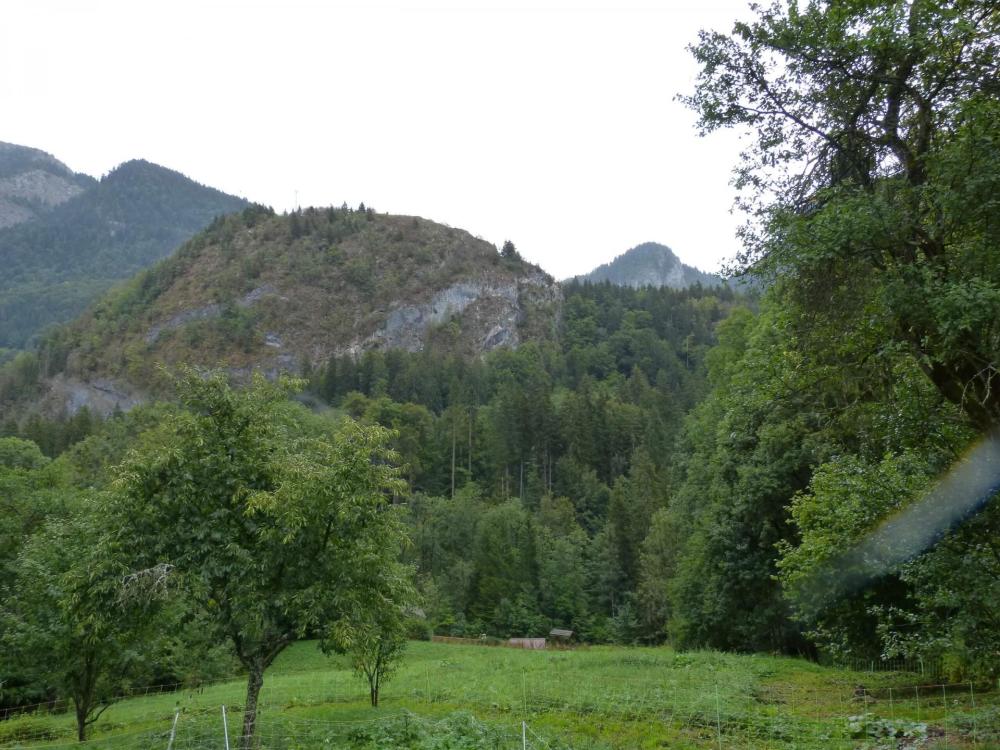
<point x="65" y="238"/>
<point x="33" y="182"/>
<point x="15" y="159"/>
<point x="650" y="264"/>
<point x="139" y="167"/>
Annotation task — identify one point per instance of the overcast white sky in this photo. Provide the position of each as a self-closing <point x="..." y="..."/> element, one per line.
<point x="553" y="123"/>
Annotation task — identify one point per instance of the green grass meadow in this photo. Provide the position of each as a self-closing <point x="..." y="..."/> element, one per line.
<point x="457" y="696"/>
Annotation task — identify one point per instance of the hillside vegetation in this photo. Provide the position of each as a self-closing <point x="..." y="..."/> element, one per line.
<point x="281" y="293"/>
<point x="473" y="452"/>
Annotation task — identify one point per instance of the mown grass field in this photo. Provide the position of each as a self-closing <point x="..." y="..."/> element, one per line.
<point x="453" y="696"/>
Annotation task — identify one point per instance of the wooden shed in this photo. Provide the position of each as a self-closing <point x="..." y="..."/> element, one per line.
<point x="560" y="636"/>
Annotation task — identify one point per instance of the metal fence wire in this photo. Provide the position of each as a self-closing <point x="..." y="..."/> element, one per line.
<point x="546" y="712"/>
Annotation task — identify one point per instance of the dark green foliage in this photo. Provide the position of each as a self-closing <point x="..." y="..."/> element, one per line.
<point x="895" y="107"/>
<point x="505" y="569"/>
<point x="518" y="416"/>
<point x="70" y="624"/>
<point x="635" y="498"/>
<point x="54" y="436"/>
<point x="53" y="629"/>
<point x="875" y="362"/>
<point x="744" y="452"/>
<point x="514" y="457"/>
<point x="19" y="377"/>
<point x="509" y="252"/>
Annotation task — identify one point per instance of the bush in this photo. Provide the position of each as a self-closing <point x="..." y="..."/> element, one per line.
<point x="26" y="729"/>
<point x="418" y="629"/>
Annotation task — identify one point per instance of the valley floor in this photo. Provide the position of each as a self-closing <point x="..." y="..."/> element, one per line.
<point x="452" y="696"/>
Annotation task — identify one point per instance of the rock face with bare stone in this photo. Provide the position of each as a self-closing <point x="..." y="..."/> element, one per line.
<point x="32" y="181"/>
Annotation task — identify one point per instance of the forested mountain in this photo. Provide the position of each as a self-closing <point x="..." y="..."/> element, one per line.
<point x="87" y="234"/>
<point x="524" y="410"/>
<point x="32" y="182"/>
<point x="282" y="293"/>
<point x="533" y="423"/>
<point x="650" y="264"/>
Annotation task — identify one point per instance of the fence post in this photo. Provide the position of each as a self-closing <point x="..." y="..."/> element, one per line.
<point x="225" y="727"/>
<point x="524" y="694"/>
<point x="173" y="730"/>
<point x="864" y="693"/>
<point x="718" y="715"/>
<point x="975" y="731"/>
<point x="892" y="713"/>
<point x="524" y="735"/>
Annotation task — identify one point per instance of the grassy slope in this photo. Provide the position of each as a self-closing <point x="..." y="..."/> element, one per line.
<point x="591" y="698"/>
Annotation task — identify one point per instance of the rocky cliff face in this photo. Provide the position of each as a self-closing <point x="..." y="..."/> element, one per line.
<point x="277" y="293"/>
<point x="490" y="313"/>
<point x="67" y="395"/>
<point x="32" y="181"/>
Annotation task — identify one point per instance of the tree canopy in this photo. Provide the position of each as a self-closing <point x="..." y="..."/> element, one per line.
<point x="872" y="177"/>
<point x="871" y="184"/>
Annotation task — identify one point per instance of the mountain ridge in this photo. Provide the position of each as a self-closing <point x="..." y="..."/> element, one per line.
<point x="33" y="181"/>
<point x="63" y="257"/>
<point x="649" y="264"/>
<point x="258" y="291"/>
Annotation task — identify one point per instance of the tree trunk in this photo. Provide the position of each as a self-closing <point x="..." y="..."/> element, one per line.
<point x="81" y="720"/>
<point x="373" y="686"/>
<point x="254" y="683"/>
<point x="84" y="690"/>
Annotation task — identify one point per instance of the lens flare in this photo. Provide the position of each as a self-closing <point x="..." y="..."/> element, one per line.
<point x="967" y="487"/>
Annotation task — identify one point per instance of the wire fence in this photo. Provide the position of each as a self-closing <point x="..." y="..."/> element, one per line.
<point x="221" y="727"/>
<point x="546" y="709"/>
<point x="926" y="668"/>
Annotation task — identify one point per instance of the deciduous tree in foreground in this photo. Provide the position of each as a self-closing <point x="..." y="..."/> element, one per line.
<point x="278" y="525"/>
